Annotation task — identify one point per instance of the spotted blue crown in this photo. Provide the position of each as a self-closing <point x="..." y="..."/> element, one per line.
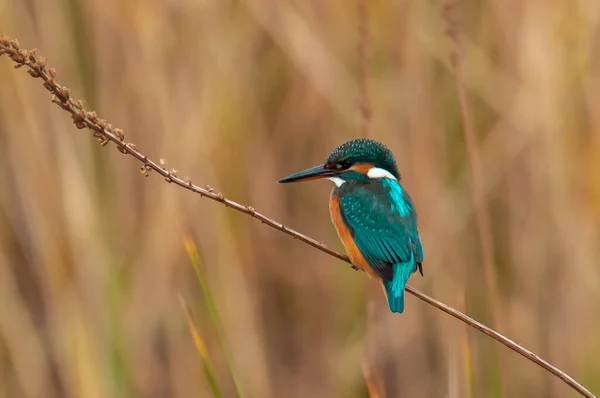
<point x="365" y="151"/>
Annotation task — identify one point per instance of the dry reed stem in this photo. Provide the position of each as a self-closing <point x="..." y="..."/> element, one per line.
<point x="105" y="133"/>
<point x="371" y="376"/>
<point x="478" y="187"/>
<point x="373" y="381"/>
<point x="450" y="15"/>
<point x="363" y="58"/>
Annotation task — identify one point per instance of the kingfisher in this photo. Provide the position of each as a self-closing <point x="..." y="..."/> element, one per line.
<point x="372" y="213"/>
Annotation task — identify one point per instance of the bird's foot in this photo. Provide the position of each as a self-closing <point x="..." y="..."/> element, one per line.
<point x="355" y="268"/>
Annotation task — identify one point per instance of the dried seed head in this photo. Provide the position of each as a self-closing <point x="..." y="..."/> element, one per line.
<point x="143" y="170"/>
<point x="209" y="188"/>
<point x="251" y="209"/>
<point x="105" y="142"/>
<point x="65" y="93"/>
<point x="119" y="133"/>
<point x="32" y="55"/>
<point x="92" y="116"/>
<point x="79" y="104"/>
<point x="41" y="62"/>
<point x="52" y="73"/>
<point x="163" y="163"/>
<point x="78" y="121"/>
<point x="102" y="123"/>
<point x="33" y="73"/>
<point x="220" y="196"/>
<point x="15" y="44"/>
<point x="60" y="103"/>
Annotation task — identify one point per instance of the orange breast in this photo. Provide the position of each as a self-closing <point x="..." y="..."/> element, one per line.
<point x="355" y="255"/>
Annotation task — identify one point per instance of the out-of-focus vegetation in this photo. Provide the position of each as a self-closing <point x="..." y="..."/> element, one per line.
<point x="237" y="94"/>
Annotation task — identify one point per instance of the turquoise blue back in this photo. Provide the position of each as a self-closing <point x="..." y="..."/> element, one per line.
<point x="383" y="222"/>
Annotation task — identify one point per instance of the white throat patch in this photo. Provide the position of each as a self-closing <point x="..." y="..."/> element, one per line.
<point x="337" y="181"/>
<point x="376" y="172"/>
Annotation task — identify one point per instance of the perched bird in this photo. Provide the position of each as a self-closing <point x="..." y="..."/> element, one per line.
<point x="373" y="215"/>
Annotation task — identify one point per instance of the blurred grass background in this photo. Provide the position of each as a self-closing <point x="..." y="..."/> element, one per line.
<point x="237" y="94"/>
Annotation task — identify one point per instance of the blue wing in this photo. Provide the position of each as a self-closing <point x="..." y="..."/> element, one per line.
<point x="383" y="222"/>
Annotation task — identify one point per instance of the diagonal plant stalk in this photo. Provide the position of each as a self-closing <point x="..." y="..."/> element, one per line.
<point x="105" y="133"/>
<point x="201" y="348"/>
<point x="215" y="319"/>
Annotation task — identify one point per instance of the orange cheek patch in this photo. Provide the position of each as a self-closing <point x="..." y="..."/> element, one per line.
<point x="362" y="168"/>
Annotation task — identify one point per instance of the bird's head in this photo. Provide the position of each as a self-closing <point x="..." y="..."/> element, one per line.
<point x="357" y="160"/>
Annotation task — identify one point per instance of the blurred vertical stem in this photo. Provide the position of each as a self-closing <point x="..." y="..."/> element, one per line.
<point x="466" y="352"/>
<point x="374" y="383"/>
<point x="363" y="63"/>
<point x="450" y="11"/>
<point x="209" y="301"/>
<point x="84" y="50"/>
<point x="119" y="349"/>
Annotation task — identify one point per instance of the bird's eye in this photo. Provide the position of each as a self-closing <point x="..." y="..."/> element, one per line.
<point x="345" y="164"/>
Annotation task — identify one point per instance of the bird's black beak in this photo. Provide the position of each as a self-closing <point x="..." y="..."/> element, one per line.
<point x="313" y="173"/>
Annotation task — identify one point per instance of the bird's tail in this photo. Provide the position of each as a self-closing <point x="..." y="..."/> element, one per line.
<point x="394" y="289"/>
